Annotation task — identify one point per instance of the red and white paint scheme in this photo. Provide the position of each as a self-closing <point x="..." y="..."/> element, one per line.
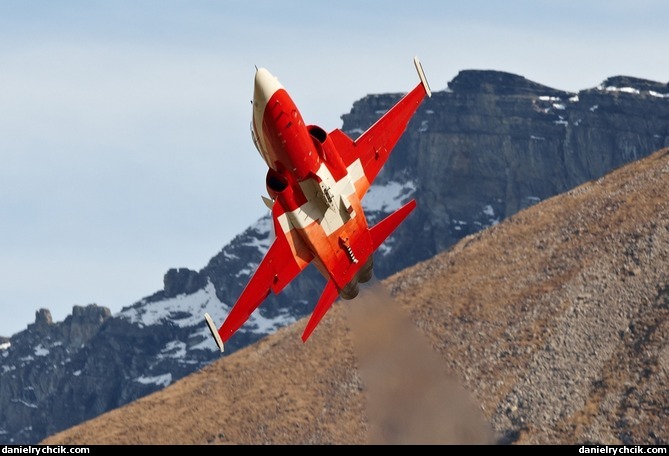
<point x="316" y="181"/>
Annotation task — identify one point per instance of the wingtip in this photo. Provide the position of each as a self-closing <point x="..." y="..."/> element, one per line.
<point x="421" y="75"/>
<point x="214" y="332"/>
<point x="329" y="295"/>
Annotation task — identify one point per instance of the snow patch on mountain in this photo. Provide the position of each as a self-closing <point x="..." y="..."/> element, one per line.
<point x="488" y="210"/>
<point x="264" y="234"/>
<point x="41" y="351"/>
<point x="162" y="380"/>
<point x="185" y="310"/>
<point x="388" y="197"/>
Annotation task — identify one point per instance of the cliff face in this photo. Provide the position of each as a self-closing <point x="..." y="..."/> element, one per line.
<point x="39" y="365"/>
<point x="492" y="144"/>
<point x="495" y="143"/>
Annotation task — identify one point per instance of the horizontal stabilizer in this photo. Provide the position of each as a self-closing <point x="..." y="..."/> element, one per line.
<point x="324" y="303"/>
<point x="385" y="227"/>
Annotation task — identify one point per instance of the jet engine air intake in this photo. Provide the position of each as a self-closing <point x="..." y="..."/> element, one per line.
<point x="275" y="182"/>
<point x="327" y="151"/>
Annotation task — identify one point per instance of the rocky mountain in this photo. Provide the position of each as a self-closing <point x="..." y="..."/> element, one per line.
<point x="549" y="328"/>
<point x="489" y="146"/>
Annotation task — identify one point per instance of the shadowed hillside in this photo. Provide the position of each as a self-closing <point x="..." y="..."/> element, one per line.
<point x="555" y="322"/>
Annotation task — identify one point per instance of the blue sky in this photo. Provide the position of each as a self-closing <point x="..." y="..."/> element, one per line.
<point x="124" y="125"/>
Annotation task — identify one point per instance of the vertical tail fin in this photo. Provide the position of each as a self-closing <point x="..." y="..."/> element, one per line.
<point x="324" y="303"/>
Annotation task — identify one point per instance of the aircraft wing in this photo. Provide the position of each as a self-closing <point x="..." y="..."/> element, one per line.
<point x="373" y="147"/>
<point x="278" y="268"/>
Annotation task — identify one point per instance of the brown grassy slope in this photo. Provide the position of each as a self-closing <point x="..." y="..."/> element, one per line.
<point x="554" y="320"/>
<point x="276" y="391"/>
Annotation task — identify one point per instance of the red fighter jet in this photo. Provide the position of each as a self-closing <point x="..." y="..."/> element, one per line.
<point x="316" y="181"/>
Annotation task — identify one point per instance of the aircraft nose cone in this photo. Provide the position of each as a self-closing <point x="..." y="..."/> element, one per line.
<point x="266" y="84"/>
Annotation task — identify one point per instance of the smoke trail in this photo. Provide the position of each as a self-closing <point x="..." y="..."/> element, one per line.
<point x="410" y="397"/>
